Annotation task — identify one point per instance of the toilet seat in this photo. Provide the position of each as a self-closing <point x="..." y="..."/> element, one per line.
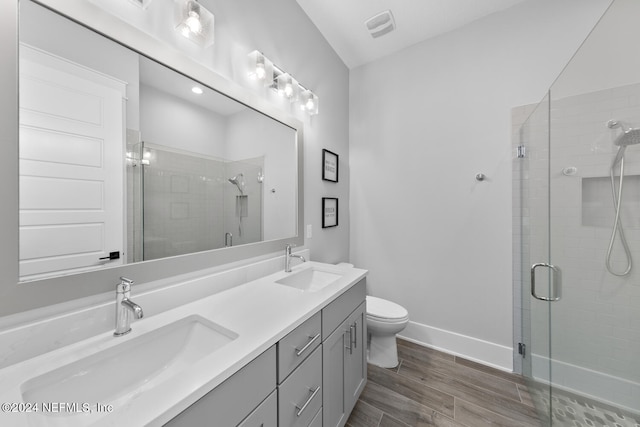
<point x="385" y="311"/>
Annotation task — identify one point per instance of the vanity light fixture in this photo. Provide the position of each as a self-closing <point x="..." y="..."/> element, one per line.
<point x="288" y="87"/>
<point x="260" y="68"/>
<point x="146" y="157"/>
<point x="309" y="102"/>
<point x="134" y="159"/>
<point x="195" y="22"/>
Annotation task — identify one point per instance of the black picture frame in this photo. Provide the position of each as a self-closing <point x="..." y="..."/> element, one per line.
<point x="329" y="166"/>
<point x="329" y="212"/>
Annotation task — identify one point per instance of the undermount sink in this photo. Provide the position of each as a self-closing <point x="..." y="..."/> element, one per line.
<point x="310" y="279"/>
<point x="131" y="367"/>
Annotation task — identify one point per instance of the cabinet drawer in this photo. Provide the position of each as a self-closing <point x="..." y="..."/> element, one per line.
<point x="297" y="345"/>
<point x="335" y="313"/>
<point x="317" y="420"/>
<point x="230" y="402"/>
<point x="265" y="415"/>
<point x="300" y="396"/>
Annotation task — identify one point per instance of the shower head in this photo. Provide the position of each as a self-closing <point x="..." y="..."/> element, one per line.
<point x="238" y="181"/>
<point x="628" y="137"/>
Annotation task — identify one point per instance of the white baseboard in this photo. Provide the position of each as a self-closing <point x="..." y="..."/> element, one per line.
<point x="485" y="352"/>
<point x="615" y="391"/>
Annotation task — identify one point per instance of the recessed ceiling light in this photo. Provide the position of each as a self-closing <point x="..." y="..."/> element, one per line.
<point x="197" y="90"/>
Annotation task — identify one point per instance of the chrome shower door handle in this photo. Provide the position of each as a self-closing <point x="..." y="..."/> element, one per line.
<point x="556" y="282"/>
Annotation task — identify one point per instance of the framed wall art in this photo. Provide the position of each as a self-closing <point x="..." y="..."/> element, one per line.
<point x="329" y="166"/>
<point x="329" y="212"/>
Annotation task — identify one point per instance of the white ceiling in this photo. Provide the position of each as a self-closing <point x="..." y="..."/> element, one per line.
<point x="166" y="80"/>
<point x="341" y="22"/>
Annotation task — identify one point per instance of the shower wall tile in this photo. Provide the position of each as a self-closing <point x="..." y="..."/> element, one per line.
<point x="182" y="204"/>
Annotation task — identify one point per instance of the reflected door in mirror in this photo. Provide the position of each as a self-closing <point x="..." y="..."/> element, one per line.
<point x="71" y="146"/>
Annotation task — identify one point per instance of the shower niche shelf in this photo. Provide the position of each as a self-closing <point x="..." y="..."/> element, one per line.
<point x="597" y="202"/>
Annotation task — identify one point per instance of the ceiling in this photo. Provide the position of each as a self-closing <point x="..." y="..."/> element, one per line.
<point x="166" y="80"/>
<point x="342" y="23"/>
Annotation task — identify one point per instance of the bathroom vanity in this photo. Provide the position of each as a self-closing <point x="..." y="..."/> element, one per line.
<point x="287" y="349"/>
<point x="308" y="382"/>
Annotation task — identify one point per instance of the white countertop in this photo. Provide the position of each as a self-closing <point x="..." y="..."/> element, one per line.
<point x="261" y="312"/>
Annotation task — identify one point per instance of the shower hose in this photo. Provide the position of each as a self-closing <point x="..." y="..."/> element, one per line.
<point x="617" y="224"/>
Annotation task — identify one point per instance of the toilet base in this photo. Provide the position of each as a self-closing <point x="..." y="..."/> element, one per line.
<point x="383" y="351"/>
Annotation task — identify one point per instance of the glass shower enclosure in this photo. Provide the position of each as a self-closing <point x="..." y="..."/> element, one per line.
<point x="181" y="202"/>
<point x="577" y="223"/>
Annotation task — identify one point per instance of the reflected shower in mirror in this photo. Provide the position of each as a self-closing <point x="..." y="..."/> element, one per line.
<point x="125" y="160"/>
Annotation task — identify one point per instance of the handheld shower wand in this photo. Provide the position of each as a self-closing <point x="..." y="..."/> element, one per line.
<point x="629" y="136"/>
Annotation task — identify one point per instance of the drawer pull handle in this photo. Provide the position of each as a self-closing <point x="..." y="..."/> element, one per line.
<point x="303" y="349"/>
<point x="313" y="394"/>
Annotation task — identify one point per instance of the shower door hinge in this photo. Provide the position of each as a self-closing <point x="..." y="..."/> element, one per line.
<point x="521" y="151"/>
<point x="522" y="349"/>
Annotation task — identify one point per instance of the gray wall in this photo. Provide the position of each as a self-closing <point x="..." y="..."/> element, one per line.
<point x="436" y="240"/>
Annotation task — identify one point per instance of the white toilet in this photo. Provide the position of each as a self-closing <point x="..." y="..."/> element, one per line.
<point x="384" y="320"/>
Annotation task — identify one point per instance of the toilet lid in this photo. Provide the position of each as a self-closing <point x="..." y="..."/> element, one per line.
<point x="383" y="309"/>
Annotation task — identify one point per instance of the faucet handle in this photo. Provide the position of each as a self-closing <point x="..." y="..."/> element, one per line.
<point x="124" y="285"/>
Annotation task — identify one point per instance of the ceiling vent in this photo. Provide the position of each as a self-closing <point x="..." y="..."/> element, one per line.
<point x="381" y="24"/>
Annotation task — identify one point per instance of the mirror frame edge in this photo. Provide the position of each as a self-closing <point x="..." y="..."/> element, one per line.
<point x="16" y="297"/>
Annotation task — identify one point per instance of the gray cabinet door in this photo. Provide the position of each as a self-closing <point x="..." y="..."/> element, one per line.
<point x="333" y="359"/>
<point x="344" y="372"/>
<point x="234" y="399"/>
<point x="355" y="366"/>
<point x="265" y="415"/>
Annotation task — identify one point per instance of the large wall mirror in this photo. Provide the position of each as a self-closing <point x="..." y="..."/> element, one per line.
<point x="127" y="160"/>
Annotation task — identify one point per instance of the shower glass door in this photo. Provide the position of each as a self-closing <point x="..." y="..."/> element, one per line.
<point x="583" y="349"/>
<point x="531" y="172"/>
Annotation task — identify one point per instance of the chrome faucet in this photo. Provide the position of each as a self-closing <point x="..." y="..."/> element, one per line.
<point x="287" y="258"/>
<point x="124" y="307"/>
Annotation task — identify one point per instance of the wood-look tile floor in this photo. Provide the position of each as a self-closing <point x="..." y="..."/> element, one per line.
<point x="430" y="388"/>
